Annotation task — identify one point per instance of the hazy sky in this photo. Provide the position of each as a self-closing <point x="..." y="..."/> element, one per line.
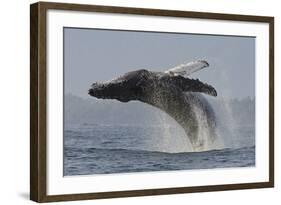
<point x="96" y="55"/>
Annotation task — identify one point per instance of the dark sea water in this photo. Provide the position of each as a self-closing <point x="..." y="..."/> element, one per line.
<point x="101" y="149"/>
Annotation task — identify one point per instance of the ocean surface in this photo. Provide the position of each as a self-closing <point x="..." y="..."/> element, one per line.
<point x="103" y="149"/>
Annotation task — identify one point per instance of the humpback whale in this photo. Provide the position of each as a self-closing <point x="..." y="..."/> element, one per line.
<point x="170" y="91"/>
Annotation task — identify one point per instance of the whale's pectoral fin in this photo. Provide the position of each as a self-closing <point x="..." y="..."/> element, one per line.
<point x="187" y="69"/>
<point x="191" y="85"/>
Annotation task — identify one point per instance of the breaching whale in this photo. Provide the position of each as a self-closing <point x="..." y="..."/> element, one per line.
<point x="170" y="91"/>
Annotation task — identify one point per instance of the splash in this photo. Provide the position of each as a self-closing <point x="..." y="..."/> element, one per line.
<point x="207" y="139"/>
<point x="174" y="139"/>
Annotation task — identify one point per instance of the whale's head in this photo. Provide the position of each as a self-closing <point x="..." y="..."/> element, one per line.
<point x="124" y="88"/>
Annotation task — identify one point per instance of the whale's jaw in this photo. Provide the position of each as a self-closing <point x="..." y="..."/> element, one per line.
<point x="110" y="91"/>
<point x="124" y="88"/>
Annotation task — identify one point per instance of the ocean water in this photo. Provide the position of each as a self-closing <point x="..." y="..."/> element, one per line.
<point x="103" y="149"/>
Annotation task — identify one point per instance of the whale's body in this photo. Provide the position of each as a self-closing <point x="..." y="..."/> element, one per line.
<point x="177" y="96"/>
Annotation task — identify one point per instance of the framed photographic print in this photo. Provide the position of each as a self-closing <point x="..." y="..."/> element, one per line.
<point x="134" y="102"/>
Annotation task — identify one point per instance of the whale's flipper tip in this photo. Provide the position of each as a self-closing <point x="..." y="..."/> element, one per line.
<point x="187" y="69"/>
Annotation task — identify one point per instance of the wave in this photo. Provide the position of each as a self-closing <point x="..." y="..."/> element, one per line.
<point x="139" y="151"/>
<point x="95" y="160"/>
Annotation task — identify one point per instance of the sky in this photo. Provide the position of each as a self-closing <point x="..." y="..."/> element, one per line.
<point x="92" y="55"/>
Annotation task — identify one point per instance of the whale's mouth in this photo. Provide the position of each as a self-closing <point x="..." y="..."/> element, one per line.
<point x="99" y="90"/>
<point x="109" y="91"/>
<point x="118" y="89"/>
<point x="124" y="88"/>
